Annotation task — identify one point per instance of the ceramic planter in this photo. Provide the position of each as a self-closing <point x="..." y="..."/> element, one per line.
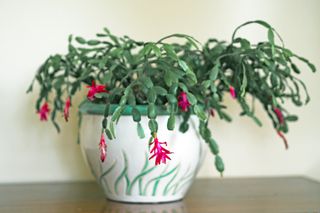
<point x="127" y="175"/>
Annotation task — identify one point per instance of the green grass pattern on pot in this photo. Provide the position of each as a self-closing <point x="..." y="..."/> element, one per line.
<point x="172" y="187"/>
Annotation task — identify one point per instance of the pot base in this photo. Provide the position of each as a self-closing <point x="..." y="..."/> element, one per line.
<point x="144" y="199"/>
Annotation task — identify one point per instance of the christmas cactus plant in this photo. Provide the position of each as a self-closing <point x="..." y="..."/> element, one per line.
<point x="181" y="79"/>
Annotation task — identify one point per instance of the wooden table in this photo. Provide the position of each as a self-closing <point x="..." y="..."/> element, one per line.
<point x="293" y="194"/>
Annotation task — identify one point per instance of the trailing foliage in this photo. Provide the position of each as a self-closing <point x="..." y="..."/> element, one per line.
<point x="158" y="74"/>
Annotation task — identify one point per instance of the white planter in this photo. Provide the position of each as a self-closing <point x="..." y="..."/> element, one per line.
<point x="127" y="174"/>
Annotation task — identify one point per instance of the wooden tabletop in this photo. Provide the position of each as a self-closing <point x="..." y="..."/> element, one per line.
<point x="294" y="194"/>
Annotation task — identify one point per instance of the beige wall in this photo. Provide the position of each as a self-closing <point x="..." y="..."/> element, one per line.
<point x="31" y="30"/>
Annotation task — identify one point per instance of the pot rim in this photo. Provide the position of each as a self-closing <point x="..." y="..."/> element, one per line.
<point x="89" y="108"/>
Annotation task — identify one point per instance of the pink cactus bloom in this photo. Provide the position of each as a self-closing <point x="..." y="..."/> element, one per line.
<point x="44" y="112"/>
<point x="183" y="101"/>
<point x="103" y="148"/>
<point x="232" y="92"/>
<point x="66" y="109"/>
<point x="94" y="89"/>
<point x="279" y="115"/>
<point x="158" y="152"/>
<point x="283" y="138"/>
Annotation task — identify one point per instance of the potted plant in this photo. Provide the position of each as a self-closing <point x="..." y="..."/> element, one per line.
<point x="151" y="101"/>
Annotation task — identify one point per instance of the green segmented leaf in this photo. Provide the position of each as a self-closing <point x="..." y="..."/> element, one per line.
<point x="213" y="146"/>
<point x="106" y="30"/>
<point x="152" y="96"/>
<point x="193" y="42"/>
<point x="112" y="131"/>
<point x="136" y="115"/>
<point x="123" y="100"/>
<point x="30" y="88"/>
<point x="204" y="131"/>
<point x="93" y="42"/>
<point x="127" y="91"/>
<point x="305" y="90"/>
<point x="146" y="49"/>
<point x="183" y="87"/>
<point x="173" y="88"/>
<point x="271" y="40"/>
<point x="291" y="118"/>
<point x="263" y="23"/>
<point x="104" y="122"/>
<point x="140" y="131"/>
<point x="117" y="113"/>
<point x="147" y="82"/>
<point x="224" y="116"/>
<point x="244" y="83"/>
<point x="284" y="128"/>
<point x="59" y="82"/>
<point x="70" y="38"/>
<point x="214" y="72"/>
<point x="131" y="99"/>
<point x="183" y="65"/>
<point x="80" y="40"/>
<point x="200" y="113"/>
<point x="101" y="35"/>
<point x="184" y="126"/>
<point x="156" y="50"/>
<point x="274" y="80"/>
<point x="153" y="125"/>
<point x="106" y="110"/>
<point x="191" y="78"/>
<point x="172" y="99"/>
<point x="79" y="126"/>
<point x="55" y="124"/>
<point x="160" y="90"/>
<point x="170" y="51"/>
<point x="168" y="78"/>
<point x="191" y="98"/>
<point x="219" y="164"/>
<point x="152" y="112"/>
<point x="295" y="68"/>
<point x="171" y="122"/>
<point x="256" y="120"/>
<point x="310" y="65"/>
<point x="213" y="89"/>
<point x="245" y="44"/>
<point x="109" y="134"/>
<point x="206" y="84"/>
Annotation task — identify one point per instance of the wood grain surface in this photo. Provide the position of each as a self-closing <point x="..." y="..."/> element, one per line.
<point x="291" y="194"/>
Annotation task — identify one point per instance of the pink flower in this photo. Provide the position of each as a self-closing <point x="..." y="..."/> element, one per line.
<point x="183" y="101"/>
<point x="66" y="109"/>
<point x="160" y="153"/>
<point x="279" y="115"/>
<point x="232" y="92"/>
<point x="283" y="138"/>
<point x="94" y="89"/>
<point x="103" y="148"/>
<point x="44" y="112"/>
